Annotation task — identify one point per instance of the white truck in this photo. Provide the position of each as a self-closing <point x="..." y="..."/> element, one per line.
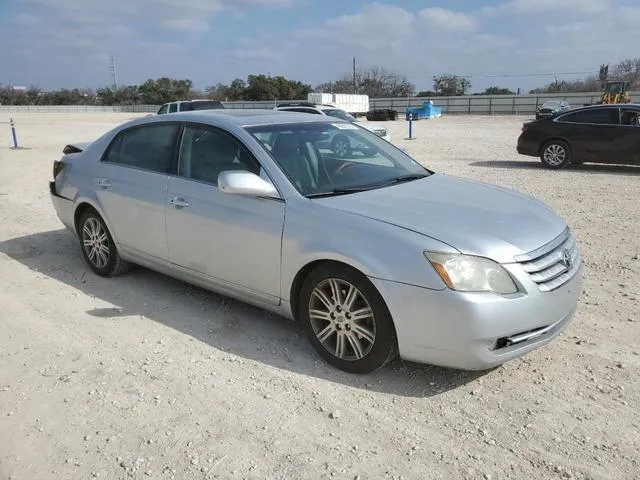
<point x="356" y="105"/>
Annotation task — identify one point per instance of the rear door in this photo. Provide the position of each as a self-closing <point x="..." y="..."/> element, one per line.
<point x="132" y="186"/>
<point x="592" y="133"/>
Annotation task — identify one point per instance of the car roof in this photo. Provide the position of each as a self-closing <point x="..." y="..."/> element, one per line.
<point x="606" y="105"/>
<point x="243" y="117"/>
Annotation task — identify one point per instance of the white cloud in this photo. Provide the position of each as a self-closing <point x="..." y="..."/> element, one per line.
<point x="547" y="6"/>
<point x="187" y="25"/>
<point x="449" y="19"/>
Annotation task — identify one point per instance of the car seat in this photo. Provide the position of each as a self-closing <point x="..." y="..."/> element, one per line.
<point x="286" y="151"/>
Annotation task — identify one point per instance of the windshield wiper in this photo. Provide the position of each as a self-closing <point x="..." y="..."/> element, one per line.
<point x="404" y="178"/>
<point x="362" y="188"/>
<point x="339" y="191"/>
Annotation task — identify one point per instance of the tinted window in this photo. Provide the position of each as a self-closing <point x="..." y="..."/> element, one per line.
<point x="600" y="116"/>
<point x="163" y="109"/>
<point x="303" y="110"/>
<point x="150" y="147"/>
<point x="206" y="151"/>
<point x="173" y="107"/>
<point x="630" y="117"/>
<point x="212" y="105"/>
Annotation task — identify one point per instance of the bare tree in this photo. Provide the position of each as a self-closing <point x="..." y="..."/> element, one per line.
<point x="628" y="70"/>
<point x="377" y="82"/>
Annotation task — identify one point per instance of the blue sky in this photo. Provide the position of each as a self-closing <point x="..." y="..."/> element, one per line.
<point x="67" y="43"/>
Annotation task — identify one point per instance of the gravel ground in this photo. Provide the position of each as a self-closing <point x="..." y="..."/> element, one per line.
<point x="146" y="377"/>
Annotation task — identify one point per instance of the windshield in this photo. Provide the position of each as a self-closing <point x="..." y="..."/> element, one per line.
<point x="337" y="113"/>
<point x="323" y="159"/>
<point x="551" y="104"/>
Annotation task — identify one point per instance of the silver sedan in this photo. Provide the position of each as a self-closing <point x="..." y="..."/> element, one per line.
<point x="374" y="254"/>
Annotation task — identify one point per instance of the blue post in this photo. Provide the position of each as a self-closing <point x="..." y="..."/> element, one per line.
<point x="13" y="133"/>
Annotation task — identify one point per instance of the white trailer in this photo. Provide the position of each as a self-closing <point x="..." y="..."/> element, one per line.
<point x="356" y="105"/>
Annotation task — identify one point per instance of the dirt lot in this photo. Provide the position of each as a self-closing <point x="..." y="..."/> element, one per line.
<point x="146" y="377"/>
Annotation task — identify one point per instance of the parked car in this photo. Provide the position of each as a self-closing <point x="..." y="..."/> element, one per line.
<point x="597" y="133"/>
<point x="340" y="143"/>
<point x="375" y="255"/>
<point x="189" y="106"/>
<point x="551" y="108"/>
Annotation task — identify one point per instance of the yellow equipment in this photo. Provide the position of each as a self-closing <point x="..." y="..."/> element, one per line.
<point x="615" y="92"/>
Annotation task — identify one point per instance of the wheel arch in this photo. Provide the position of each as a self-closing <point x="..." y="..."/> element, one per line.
<point x="547" y="141"/>
<point x="303" y="273"/>
<point x="84" y="204"/>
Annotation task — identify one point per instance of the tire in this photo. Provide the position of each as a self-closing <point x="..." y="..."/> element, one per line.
<point x="368" y="342"/>
<point x="341" y="146"/>
<point x="556" y="154"/>
<point x="98" y="248"/>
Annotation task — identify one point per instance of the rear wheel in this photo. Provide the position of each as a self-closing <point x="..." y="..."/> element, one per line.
<point x="556" y="154"/>
<point x="98" y="248"/>
<point x="346" y="319"/>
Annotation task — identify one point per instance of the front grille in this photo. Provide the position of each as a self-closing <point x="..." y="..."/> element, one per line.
<point x="553" y="265"/>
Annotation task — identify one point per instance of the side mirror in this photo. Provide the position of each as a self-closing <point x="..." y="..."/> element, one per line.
<point x="240" y="182"/>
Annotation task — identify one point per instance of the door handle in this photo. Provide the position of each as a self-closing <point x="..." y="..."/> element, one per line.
<point x="104" y="183"/>
<point x="179" y="202"/>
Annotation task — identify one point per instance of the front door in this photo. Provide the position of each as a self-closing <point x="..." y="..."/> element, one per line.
<point x="628" y="149"/>
<point x="592" y="133"/>
<point x="233" y="239"/>
<point x="131" y="187"/>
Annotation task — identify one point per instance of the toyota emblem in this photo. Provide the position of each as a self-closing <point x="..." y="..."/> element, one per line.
<point x="566" y="258"/>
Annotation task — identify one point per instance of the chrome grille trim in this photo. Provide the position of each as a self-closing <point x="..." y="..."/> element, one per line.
<point x="526" y="257"/>
<point x="546" y="266"/>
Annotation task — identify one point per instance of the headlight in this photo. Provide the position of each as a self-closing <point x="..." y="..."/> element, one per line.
<point x="466" y="273"/>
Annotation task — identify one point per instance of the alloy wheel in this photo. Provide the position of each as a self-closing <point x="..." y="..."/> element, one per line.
<point x="95" y="242"/>
<point x="342" y="319"/>
<point x="341" y="148"/>
<point x="555" y="155"/>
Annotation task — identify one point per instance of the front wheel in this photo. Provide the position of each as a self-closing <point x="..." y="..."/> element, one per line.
<point x="556" y="154"/>
<point x="346" y="319"/>
<point x="98" y="248"/>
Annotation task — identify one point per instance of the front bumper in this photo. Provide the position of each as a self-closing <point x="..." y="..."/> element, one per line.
<point x="476" y="331"/>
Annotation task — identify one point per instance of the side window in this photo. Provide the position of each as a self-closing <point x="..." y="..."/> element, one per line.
<point x="302" y="110"/>
<point x="173" y="107"/>
<point x="598" y="116"/>
<point x="630" y="117"/>
<point x="205" y="152"/>
<point x="149" y="147"/>
<point x="163" y="109"/>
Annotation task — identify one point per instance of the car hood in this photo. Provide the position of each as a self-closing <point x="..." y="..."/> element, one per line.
<point x="472" y="217"/>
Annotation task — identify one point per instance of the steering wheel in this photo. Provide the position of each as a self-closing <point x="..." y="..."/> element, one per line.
<point x="345" y="166"/>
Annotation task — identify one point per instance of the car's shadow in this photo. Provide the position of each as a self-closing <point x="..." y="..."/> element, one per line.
<point x="224" y="324"/>
<point x="538" y="165"/>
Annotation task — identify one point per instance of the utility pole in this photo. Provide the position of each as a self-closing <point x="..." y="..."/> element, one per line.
<point x="114" y="73"/>
<point x="355" y="86"/>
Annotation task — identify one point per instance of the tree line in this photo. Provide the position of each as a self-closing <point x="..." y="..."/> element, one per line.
<point x="376" y="82"/>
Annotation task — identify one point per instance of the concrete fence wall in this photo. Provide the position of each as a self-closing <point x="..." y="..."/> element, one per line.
<point x="470" y="105"/>
<point x="78" y="108"/>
